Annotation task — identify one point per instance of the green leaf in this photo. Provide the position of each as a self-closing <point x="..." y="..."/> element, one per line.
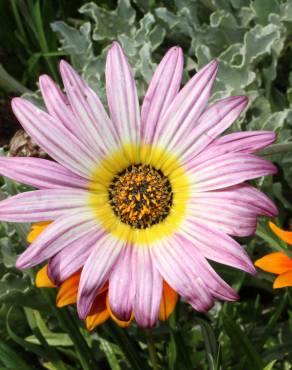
<point x="52" y="353"/>
<point x="68" y="323"/>
<point x="241" y="343"/>
<point x="11" y="359"/>
<point x="108" y="349"/>
<point x="270" y="365"/>
<point x="53" y="339"/>
<point x="209" y="341"/>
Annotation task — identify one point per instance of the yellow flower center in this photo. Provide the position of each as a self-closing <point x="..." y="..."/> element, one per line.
<point x="131" y="175"/>
<point x="141" y="196"/>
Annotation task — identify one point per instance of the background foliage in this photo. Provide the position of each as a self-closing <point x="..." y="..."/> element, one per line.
<point x="252" y="40"/>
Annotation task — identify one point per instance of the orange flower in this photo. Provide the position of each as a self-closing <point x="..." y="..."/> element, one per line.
<point x="100" y="310"/>
<point x="278" y="262"/>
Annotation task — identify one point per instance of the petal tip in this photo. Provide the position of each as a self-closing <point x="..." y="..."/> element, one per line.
<point x="253" y="271"/>
<point x="115" y="46"/>
<point x="274" y="212"/>
<point x="176" y="49"/>
<point x="44" y="78"/>
<point x="274" y="169"/>
<point x="64" y="66"/>
<point x="241" y="100"/>
<point x="215" y="64"/>
<point x="244" y="99"/>
<point x="59" y="302"/>
<point x="15" y="102"/>
<point x="82" y="306"/>
<point x="20" y="263"/>
<point x="273" y="136"/>
<point x="45" y="83"/>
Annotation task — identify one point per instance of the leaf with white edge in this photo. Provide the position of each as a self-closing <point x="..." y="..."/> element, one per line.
<point x="109" y="24"/>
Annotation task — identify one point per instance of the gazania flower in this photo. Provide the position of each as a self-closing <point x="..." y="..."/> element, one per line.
<point x="138" y="199"/>
<point x="278" y="262"/>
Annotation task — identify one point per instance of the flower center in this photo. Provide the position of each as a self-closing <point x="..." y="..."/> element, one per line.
<point x="140" y="196"/>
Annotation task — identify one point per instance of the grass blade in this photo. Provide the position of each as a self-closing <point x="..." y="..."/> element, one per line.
<point x="10" y="358"/>
<point x="242" y="344"/>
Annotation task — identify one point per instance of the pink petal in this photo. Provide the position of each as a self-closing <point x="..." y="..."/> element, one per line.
<point x="58" y="105"/>
<point x="244" y="142"/>
<point x="54" y="138"/>
<point x="215" y="119"/>
<point x="226" y="170"/>
<point x="122" y="95"/>
<point x="93" y="121"/>
<point x="162" y="89"/>
<point x="242" y="195"/>
<point x="216" y="245"/>
<point x="42" y="205"/>
<point x="217" y="286"/>
<point x="186" y="108"/>
<point x="148" y="292"/>
<point x="96" y="272"/>
<point x="71" y="258"/>
<point x="179" y="271"/>
<point x="122" y="285"/>
<point x="58" y="235"/>
<point x="40" y="173"/>
<point x="232" y="219"/>
<point x="232" y="210"/>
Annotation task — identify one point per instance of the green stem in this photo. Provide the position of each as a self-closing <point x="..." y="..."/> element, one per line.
<point x="151" y="349"/>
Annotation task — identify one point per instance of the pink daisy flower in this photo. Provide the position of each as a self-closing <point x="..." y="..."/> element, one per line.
<point x="138" y="198"/>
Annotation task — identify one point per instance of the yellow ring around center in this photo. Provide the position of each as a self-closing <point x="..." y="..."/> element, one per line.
<point x="118" y="161"/>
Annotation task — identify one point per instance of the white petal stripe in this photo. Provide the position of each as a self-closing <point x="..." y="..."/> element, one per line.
<point x="122" y="95"/>
<point x="55" y="237"/>
<point x="176" y="269"/>
<point x="58" y="105"/>
<point x="96" y="272"/>
<point x="42" y="205"/>
<point x="121" y="292"/>
<point x="148" y="292"/>
<point x="163" y="88"/>
<point x="186" y="108"/>
<point x="40" y="173"/>
<point x="227" y="170"/>
<point x="89" y="111"/>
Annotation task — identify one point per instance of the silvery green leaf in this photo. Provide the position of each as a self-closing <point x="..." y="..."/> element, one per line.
<point x="246" y="14"/>
<point x="8" y="252"/>
<point x="11" y="285"/>
<point x="75" y="42"/>
<point x="145" y="5"/>
<point x="227" y="24"/>
<point x="270" y="121"/>
<point x="260" y="41"/>
<point x="35" y="98"/>
<point x="169" y="19"/>
<point x="235" y="77"/>
<point x="286" y="11"/>
<point x="263" y="12"/>
<point x="109" y="24"/>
